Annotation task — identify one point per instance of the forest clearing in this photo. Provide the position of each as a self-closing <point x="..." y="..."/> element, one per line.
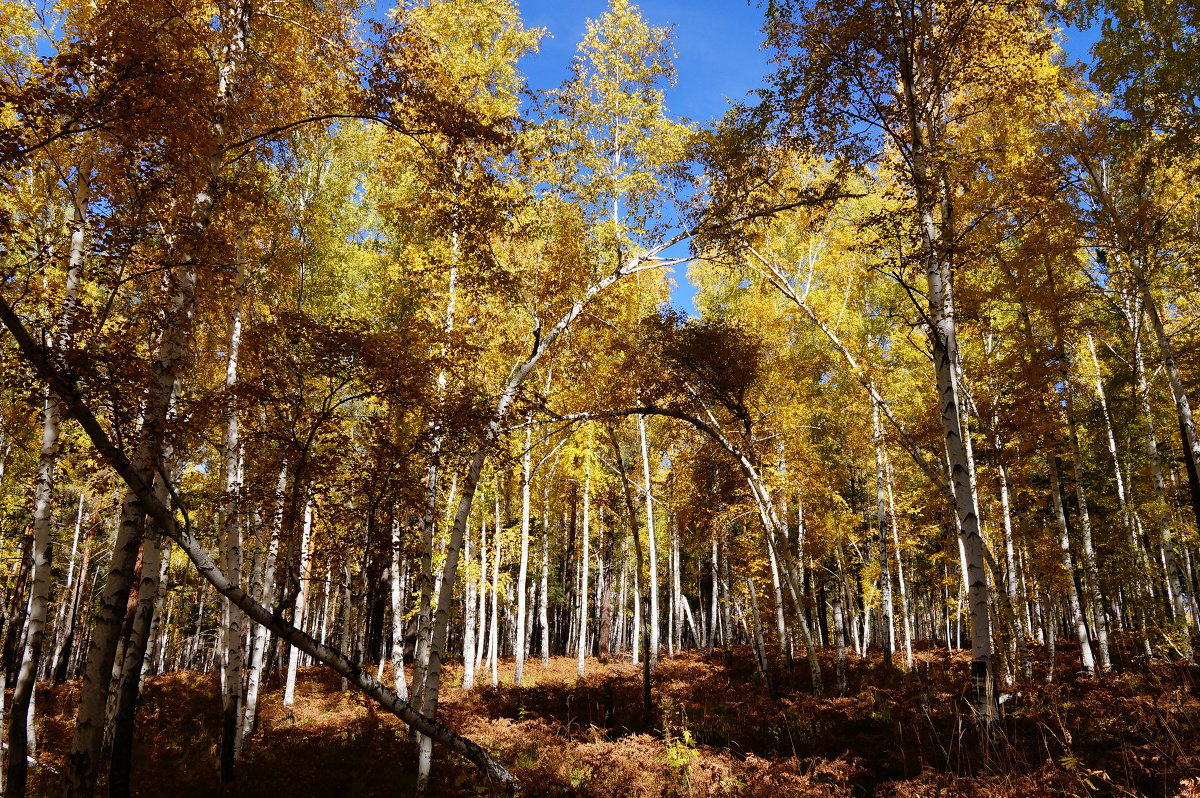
<point x="839" y="442"/>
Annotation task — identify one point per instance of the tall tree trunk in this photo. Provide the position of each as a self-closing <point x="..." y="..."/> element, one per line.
<point x="494" y="629"/>
<point x="888" y="636"/>
<point x="677" y="598"/>
<point x="468" y="639"/>
<point x="35" y="623"/>
<point x="651" y="547"/>
<point x="760" y="651"/>
<point x="780" y="622"/>
<point x="583" y="592"/>
<point x="1187" y="424"/>
<point x="481" y="614"/>
<point x="544" y="590"/>
<point x="83" y="761"/>
<point x="129" y="689"/>
<point x="300" y="611"/>
<point x="638" y="599"/>
<point x="42" y="551"/>
<point x="231" y="546"/>
<point x="1077" y="617"/>
<point x="604" y="644"/>
<point x="260" y="635"/>
<point x="523" y="568"/>
<point x="1175" y="580"/>
<point x="65" y="650"/>
<point x="1091" y="573"/>
<point x="399" y="623"/>
<point x="66" y="598"/>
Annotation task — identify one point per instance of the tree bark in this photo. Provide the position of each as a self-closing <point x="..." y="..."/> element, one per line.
<point x="583" y="592"/>
<point x="523" y="567"/>
<point x="301" y="609"/>
<point x="1077" y="618"/>
<point x="651" y="547"/>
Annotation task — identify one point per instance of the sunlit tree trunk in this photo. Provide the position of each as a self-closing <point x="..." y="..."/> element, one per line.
<point x="523" y="567"/>
<point x="885" y="574"/>
<point x="494" y="629"/>
<point x="231" y="547"/>
<point x="66" y="599"/>
<point x="301" y="609"/>
<point x="839" y="635"/>
<point x="711" y="641"/>
<point x="260" y="637"/>
<point x="468" y="640"/>
<point x="682" y="609"/>
<point x="398" y="611"/>
<point x="544" y="588"/>
<point x="583" y="593"/>
<point x="760" y="651"/>
<point x="43" y="497"/>
<point x="651" y="547"/>
<point x="481" y="614"/>
<point x="83" y="763"/>
<point x="1175" y="581"/>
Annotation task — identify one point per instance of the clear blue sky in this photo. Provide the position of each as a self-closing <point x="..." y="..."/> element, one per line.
<point x="718" y="42"/>
<point x="720" y="58"/>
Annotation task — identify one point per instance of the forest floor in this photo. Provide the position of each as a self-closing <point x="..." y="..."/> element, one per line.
<point x="715" y="730"/>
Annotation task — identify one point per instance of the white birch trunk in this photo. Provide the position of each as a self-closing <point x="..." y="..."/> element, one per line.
<point x="885" y="573"/>
<point x="494" y="629"/>
<point x="1077" y="619"/>
<point x="398" y="612"/>
<point x="583" y="594"/>
<point x="481" y="613"/>
<point x="468" y="640"/>
<point x="651" y="545"/>
<point x="523" y="568"/>
<point x="289" y="690"/>
<point x="260" y="637"/>
<point x="231" y="545"/>
<point x="544" y="589"/>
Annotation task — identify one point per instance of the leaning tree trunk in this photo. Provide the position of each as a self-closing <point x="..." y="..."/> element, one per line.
<point x="543" y="339"/>
<point x="42" y="552"/>
<point x="1175" y="580"/>
<point x="83" y="761"/>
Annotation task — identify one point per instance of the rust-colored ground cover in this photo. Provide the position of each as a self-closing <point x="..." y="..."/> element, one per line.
<point x="716" y="729"/>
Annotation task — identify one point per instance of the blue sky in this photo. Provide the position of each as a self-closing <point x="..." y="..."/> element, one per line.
<point x="717" y="41"/>
<point x="720" y="58"/>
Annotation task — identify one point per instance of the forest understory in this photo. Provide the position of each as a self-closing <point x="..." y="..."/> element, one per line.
<point x="894" y="733"/>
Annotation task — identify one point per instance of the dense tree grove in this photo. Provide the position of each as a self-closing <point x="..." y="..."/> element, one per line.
<point x="329" y="342"/>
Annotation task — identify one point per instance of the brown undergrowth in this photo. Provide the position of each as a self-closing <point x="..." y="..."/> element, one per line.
<point x="715" y="729"/>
